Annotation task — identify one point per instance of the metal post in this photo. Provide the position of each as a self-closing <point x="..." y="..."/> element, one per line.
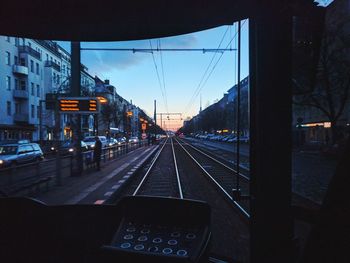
<point x="57" y="140"/>
<point x="270" y="147"/>
<point x="155" y="113"/>
<point x="237" y="192"/>
<point x="41" y="122"/>
<point x="75" y="91"/>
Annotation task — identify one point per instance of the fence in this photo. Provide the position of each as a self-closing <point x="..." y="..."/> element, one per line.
<point x="32" y="176"/>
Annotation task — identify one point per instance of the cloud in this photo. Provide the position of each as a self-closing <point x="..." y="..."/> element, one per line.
<point x="107" y="61"/>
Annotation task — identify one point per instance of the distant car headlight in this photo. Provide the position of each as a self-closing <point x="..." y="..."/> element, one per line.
<point x="1" y="162"/>
<point x="71" y="150"/>
<point x="92" y="146"/>
<point x="52" y="148"/>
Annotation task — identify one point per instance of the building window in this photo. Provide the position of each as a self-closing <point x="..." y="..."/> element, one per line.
<point x="22" y="61"/>
<point x="29" y="44"/>
<point x="17" y="108"/>
<point x="58" y="79"/>
<point x="32" y="111"/>
<point x="16" y="83"/>
<point x="15" y="60"/>
<point x="37" y="68"/>
<point x="8" y="39"/>
<point x="8" y="82"/>
<point x="37" y="90"/>
<point x="32" y="66"/>
<point x="8" y="107"/>
<point x="47" y="56"/>
<point x="38" y="111"/>
<point x="32" y="88"/>
<point x="54" y="77"/>
<point x="23" y="84"/>
<point x="16" y="42"/>
<point x="8" y="58"/>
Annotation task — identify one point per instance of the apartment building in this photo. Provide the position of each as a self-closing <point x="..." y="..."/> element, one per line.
<point x="30" y="69"/>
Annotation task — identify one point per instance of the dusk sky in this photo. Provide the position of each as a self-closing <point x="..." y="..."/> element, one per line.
<point x="134" y="74"/>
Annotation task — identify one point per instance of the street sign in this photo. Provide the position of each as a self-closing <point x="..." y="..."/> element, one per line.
<point x="143" y="126"/>
<point x="80" y="105"/>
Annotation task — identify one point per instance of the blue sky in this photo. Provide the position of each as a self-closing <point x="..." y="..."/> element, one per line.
<point x="135" y="76"/>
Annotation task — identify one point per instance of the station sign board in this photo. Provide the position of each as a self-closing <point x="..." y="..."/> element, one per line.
<point x="79" y="105"/>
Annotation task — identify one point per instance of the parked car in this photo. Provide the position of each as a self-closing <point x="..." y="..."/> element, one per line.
<point x="133" y="139"/>
<point x="111" y="142"/>
<point x="69" y="147"/>
<point x="20" y="153"/>
<point x="121" y="141"/>
<point x="90" y="141"/>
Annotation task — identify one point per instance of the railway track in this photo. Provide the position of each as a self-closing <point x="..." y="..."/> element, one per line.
<point x="161" y="180"/>
<point x="222" y="176"/>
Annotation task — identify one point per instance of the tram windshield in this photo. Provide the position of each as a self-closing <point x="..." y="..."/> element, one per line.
<point x="177" y="114"/>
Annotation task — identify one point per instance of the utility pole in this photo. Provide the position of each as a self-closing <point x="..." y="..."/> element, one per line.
<point x="75" y="91"/>
<point x="155" y="113"/>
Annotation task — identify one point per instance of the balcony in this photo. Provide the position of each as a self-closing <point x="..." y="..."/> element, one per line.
<point x="19" y="117"/>
<point x="21" y="70"/>
<point x="30" y="51"/>
<point x="49" y="63"/>
<point x="20" y="94"/>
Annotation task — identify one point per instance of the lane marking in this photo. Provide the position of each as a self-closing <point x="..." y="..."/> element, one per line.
<point x="116" y="186"/>
<point x="108" y="194"/>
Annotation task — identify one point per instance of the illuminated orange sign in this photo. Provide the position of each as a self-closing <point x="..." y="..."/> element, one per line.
<point x="102" y="100"/>
<point x="81" y="105"/>
<point x="143" y="127"/>
<point x="129" y="113"/>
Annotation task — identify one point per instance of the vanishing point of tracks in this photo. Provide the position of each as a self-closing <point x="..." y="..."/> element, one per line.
<point x="163" y="178"/>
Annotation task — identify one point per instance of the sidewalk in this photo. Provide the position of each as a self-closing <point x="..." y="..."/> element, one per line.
<point x="95" y="185"/>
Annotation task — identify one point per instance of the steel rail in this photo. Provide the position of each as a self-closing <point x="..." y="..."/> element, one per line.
<point x="149" y="169"/>
<point x="176" y="170"/>
<point x="217" y="161"/>
<point x="241" y="209"/>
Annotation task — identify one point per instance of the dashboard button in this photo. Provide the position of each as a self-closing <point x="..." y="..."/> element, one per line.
<point x="175" y="234"/>
<point x="167" y="251"/>
<point x="153" y="249"/>
<point x="128" y="237"/>
<point x="131" y="229"/>
<point x="125" y="245"/>
<point x="190" y="236"/>
<point x="145" y="231"/>
<point x="139" y="247"/>
<point x="157" y="240"/>
<point x="142" y="238"/>
<point x="181" y="253"/>
<point x="172" y="242"/>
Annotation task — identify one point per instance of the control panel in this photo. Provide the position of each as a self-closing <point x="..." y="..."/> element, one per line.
<point x="157" y="229"/>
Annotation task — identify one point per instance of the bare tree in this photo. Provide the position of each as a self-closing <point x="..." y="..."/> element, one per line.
<point x="330" y="92"/>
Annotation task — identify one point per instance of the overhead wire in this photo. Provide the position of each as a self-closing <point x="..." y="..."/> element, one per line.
<point x="159" y="81"/>
<point x="164" y="87"/>
<point x="213" y="68"/>
<point x="205" y="72"/>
